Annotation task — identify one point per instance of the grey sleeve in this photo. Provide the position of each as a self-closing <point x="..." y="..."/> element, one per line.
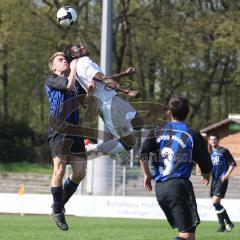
<point x="57" y="82"/>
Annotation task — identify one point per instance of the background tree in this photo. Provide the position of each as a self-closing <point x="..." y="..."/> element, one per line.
<point x="181" y="47"/>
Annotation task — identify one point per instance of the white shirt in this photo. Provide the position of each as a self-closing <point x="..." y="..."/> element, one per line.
<point x="86" y="70"/>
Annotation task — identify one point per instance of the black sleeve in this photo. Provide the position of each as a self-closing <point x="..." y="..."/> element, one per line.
<point x="81" y="90"/>
<point x="229" y="158"/>
<point x="57" y="82"/>
<point x="148" y="146"/>
<point x="201" y="155"/>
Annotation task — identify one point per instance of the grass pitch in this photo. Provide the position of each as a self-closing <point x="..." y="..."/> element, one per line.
<point x="28" y="227"/>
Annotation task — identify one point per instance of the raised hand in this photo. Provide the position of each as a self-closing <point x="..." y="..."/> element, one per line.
<point x="91" y="86"/>
<point x="73" y="64"/>
<point x="130" y="71"/>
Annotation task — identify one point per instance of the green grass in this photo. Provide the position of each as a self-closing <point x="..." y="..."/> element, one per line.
<point x="15" y="227"/>
<point x="25" y="167"/>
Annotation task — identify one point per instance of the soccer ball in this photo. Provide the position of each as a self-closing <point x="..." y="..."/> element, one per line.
<point x="66" y="16"/>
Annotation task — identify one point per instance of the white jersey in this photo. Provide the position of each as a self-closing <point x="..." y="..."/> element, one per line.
<point x="86" y="70"/>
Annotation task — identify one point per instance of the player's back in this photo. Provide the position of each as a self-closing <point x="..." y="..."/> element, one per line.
<point x="175" y="143"/>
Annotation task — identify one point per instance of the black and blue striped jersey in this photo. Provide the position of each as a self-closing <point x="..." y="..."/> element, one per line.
<point x="174" y="148"/>
<point x="221" y="159"/>
<point x="63" y="104"/>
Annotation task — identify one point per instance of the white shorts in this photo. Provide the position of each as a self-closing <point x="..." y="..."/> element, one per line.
<point x="117" y="115"/>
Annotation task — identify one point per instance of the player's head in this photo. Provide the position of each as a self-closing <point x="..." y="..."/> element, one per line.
<point x="75" y="51"/>
<point x="58" y="63"/>
<point x="213" y="140"/>
<point x="179" y="108"/>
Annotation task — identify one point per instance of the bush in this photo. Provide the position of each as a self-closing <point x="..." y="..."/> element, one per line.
<point x="41" y="149"/>
<point x="16" y="142"/>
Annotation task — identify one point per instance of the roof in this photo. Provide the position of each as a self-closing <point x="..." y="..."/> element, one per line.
<point x="232" y="118"/>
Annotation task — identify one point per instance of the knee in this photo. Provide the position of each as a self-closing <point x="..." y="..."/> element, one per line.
<point x="128" y="142"/>
<point x="59" y="171"/>
<point x="77" y="177"/>
<point x="217" y="206"/>
<point x="187" y="235"/>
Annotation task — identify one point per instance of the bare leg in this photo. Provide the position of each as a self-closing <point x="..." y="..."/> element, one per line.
<point x="128" y="141"/>
<point x="59" y="165"/>
<point x="78" y="165"/>
<point x="187" y="236"/>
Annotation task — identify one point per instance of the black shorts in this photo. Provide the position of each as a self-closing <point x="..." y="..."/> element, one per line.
<point x="218" y="188"/>
<point x="63" y="145"/>
<point x="177" y="200"/>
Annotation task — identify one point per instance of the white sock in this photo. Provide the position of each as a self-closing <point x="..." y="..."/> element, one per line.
<point x="112" y="146"/>
<point x="92" y="147"/>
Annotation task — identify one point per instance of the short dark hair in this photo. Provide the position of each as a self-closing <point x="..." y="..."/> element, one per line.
<point x="68" y="52"/>
<point x="179" y="108"/>
<point x="213" y="135"/>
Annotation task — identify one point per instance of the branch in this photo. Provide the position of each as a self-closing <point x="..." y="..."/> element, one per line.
<point x="222" y="81"/>
<point x="204" y="91"/>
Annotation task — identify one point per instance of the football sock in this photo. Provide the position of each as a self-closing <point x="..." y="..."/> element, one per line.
<point x="112" y="146"/>
<point x="220" y="213"/>
<point x="117" y="147"/>
<point x="218" y="207"/>
<point x="57" y="199"/>
<point x="220" y="218"/>
<point x="179" y="238"/>
<point x="69" y="188"/>
<point x="226" y="217"/>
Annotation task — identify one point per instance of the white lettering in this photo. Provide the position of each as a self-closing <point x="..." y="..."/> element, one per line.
<point x="164" y="138"/>
<point x="179" y="140"/>
<point x="174" y="137"/>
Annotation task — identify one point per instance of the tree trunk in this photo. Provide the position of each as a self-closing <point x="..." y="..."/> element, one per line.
<point x="4" y="78"/>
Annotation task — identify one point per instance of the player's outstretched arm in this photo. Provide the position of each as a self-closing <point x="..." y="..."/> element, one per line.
<point x="111" y="83"/>
<point x="116" y="76"/>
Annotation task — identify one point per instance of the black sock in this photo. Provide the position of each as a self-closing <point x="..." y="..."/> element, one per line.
<point x="226" y="217"/>
<point x="69" y="188"/>
<point x="221" y="219"/>
<point x="57" y="199"/>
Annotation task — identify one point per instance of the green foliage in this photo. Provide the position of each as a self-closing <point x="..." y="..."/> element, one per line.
<point x="16" y="142"/>
<point x="181" y="47"/>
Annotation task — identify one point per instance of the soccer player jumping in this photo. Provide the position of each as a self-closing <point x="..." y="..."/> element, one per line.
<point x="116" y="113"/>
<point x="62" y="91"/>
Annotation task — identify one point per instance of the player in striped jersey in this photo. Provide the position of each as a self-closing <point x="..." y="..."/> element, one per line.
<point x="223" y="165"/>
<point x="175" y="147"/>
<point x="62" y="91"/>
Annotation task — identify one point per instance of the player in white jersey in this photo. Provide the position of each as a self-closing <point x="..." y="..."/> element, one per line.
<point x="116" y="113"/>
